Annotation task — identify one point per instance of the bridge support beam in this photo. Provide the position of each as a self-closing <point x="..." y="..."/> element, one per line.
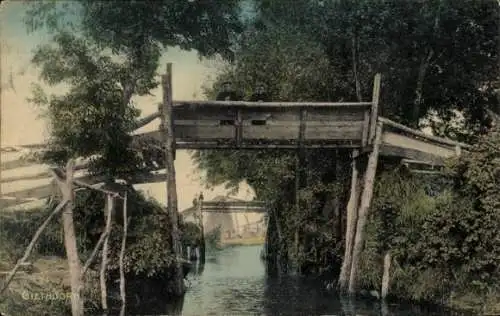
<point x="171" y="186"/>
<point x="366" y="198"/>
<point x="352" y="216"/>
<point x="202" y="229"/>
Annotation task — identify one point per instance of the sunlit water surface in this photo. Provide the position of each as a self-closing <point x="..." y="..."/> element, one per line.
<point x="233" y="282"/>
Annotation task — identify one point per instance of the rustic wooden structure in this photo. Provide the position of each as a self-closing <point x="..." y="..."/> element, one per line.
<point x="286" y="125"/>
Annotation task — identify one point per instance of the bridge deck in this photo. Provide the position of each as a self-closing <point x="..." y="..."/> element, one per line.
<point x="254" y="125"/>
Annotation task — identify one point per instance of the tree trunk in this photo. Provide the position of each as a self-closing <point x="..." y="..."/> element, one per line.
<point x="70" y="244"/>
<point x="364" y="207"/>
<point x="424" y="65"/>
<point x="355" y="50"/>
<point x="105" y="250"/>
<point x="178" y="284"/>
<point x="352" y="215"/>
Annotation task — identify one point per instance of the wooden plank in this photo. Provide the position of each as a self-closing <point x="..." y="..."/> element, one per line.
<point x="335" y="131"/>
<point x="236" y="210"/>
<point x="420" y="134"/>
<point x="185" y="132"/>
<point x="394" y="151"/>
<point x="214" y="113"/>
<point x="302" y="127"/>
<point x="239" y="124"/>
<point x="331" y="115"/>
<point x="366" y="129"/>
<point x="209" y="103"/>
<point x="200" y="122"/>
<point x="234" y="204"/>
<point x="410" y="143"/>
<point x="277" y="132"/>
<point x="270" y="114"/>
<point x="247" y="145"/>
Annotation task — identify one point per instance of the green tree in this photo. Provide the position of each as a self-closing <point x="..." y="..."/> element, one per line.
<point x="330" y="51"/>
<point x="106" y="52"/>
<point x="434" y="56"/>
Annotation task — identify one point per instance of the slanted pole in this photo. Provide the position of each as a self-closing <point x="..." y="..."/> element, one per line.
<point x="352" y="215"/>
<point x="366" y="198"/>
<point x="167" y="128"/>
<point x="374" y="111"/>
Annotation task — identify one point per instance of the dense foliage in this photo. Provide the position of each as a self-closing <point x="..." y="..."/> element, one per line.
<point x="445" y="245"/>
<point x="100" y="54"/>
<point x="436" y="57"/>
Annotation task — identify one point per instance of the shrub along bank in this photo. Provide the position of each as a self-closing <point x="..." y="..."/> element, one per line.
<point x="148" y="259"/>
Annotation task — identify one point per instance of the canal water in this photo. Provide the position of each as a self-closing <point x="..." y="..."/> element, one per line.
<point x="233" y="282"/>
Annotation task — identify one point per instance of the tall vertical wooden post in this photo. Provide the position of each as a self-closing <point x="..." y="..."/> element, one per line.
<point x="202" y="229"/>
<point x="352" y="216"/>
<point x="374" y="112"/>
<point x="374" y="139"/>
<point x="366" y="199"/>
<point x="299" y="179"/>
<point x="168" y="134"/>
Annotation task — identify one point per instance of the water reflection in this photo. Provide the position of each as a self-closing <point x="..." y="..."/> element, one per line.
<point x="233" y="282"/>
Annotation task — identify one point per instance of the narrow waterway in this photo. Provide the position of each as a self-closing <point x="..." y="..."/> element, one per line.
<point x="233" y="282"/>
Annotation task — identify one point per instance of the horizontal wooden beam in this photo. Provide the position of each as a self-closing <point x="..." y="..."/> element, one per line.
<point x="263" y="145"/>
<point x="235" y="210"/>
<point x="420" y="134"/>
<point x="233" y="204"/>
<point x="240" y="104"/>
<point x="410" y="143"/>
<point x="229" y="143"/>
<point x="424" y="157"/>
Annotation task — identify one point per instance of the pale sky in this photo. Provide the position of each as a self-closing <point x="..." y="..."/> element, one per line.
<point x="20" y="122"/>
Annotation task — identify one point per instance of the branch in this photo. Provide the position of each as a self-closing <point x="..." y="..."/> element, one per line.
<point x="35" y="238"/>
<point x="94" y="252"/>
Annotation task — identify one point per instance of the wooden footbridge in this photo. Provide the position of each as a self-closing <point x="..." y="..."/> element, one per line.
<point x="264" y="125"/>
<point x="259" y="125"/>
